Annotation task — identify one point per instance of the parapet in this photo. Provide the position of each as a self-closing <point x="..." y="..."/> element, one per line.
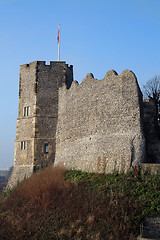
<point x="44" y="63"/>
<point x="126" y="79"/>
<point x="28" y="65"/>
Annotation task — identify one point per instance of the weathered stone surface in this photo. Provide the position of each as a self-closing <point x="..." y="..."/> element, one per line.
<point x="19" y="173"/>
<point x="100" y="124"/>
<point x="151" y="131"/>
<point x="97" y="126"/>
<point x="150" y="167"/>
<point x="38" y="90"/>
<point x="150" y="228"/>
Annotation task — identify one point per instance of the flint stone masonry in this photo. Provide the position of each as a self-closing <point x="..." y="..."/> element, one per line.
<point x="151" y="131"/>
<point x="96" y="126"/>
<point x="38" y="90"/>
<point x="99" y="125"/>
<point x="150" y="229"/>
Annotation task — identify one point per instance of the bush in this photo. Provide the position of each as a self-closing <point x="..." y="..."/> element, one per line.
<point x="58" y="204"/>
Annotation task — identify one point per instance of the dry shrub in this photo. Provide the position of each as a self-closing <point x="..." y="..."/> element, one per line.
<point x="42" y="187"/>
<point x="6" y="229"/>
<point x="1" y="191"/>
<point x="90" y="219"/>
<point x="80" y="230"/>
<point x="46" y="207"/>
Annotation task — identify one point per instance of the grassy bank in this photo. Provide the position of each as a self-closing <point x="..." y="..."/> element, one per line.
<point x="59" y="204"/>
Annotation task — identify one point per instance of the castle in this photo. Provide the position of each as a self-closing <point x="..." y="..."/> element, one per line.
<point x="95" y="126"/>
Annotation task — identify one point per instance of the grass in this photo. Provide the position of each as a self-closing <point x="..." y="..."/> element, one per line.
<point x="58" y="204"/>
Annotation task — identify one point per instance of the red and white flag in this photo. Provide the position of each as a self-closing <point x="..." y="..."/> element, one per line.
<point x="58" y="42"/>
<point x="58" y="34"/>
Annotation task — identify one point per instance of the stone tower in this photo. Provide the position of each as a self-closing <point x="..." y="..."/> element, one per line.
<point x="37" y="116"/>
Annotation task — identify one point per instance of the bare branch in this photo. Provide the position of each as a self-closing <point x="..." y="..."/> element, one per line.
<point x="152" y="88"/>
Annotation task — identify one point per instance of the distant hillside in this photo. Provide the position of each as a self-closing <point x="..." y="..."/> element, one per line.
<point x="4" y="176"/>
<point x="59" y="204"/>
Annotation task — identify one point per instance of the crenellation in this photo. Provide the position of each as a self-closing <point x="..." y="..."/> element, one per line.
<point x="111" y="73"/>
<point x="54" y="63"/>
<point x="41" y="63"/>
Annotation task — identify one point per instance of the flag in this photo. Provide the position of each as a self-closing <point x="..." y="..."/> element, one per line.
<point x="58" y="34"/>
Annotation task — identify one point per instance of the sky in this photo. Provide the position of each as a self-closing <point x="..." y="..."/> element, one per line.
<point x="95" y="37"/>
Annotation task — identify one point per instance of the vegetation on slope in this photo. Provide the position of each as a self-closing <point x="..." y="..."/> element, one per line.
<point x="59" y="204"/>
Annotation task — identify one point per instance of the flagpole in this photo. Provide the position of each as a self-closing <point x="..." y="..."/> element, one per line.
<point x="58" y="42"/>
<point x="58" y="52"/>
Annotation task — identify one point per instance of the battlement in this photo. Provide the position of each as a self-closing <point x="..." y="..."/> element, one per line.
<point x="28" y="65"/>
<point x="122" y="86"/>
<point x="111" y="75"/>
<point x="43" y="63"/>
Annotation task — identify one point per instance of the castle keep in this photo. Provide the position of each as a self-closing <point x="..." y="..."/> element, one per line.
<point x="37" y="116"/>
<point x="95" y="126"/>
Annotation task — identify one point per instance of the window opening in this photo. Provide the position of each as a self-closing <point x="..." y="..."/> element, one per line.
<point x="26" y="111"/>
<point x="23" y="145"/>
<point x="46" y="148"/>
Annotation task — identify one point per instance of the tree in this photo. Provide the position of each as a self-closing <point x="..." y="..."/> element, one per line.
<point x="152" y="89"/>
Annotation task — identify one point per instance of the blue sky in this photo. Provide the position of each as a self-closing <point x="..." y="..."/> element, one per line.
<point x="96" y="36"/>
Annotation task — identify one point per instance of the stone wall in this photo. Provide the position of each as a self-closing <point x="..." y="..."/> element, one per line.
<point x="100" y="125"/>
<point x="24" y="158"/>
<point x="151" y="131"/>
<point x="49" y="79"/>
<point x="97" y="126"/>
<point x="38" y="91"/>
<point x="150" y="167"/>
